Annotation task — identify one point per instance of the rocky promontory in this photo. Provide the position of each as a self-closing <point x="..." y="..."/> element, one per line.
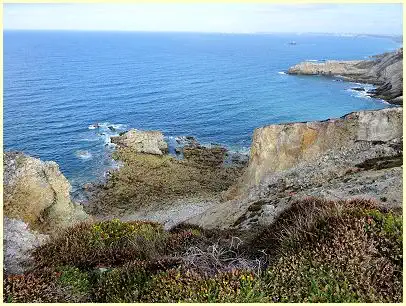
<point x="36" y="204"/>
<point x="279" y="147"/>
<point x="37" y="193"/>
<point x="151" y="180"/>
<point x="384" y="70"/>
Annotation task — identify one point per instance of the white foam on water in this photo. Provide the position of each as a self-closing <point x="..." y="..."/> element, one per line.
<point x="281" y="72"/>
<point x="83" y="154"/>
<point x="89" y="139"/>
<point x="119" y="126"/>
<point x="363" y="94"/>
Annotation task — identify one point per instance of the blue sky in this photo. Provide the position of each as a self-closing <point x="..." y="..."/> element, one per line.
<point x="225" y="18"/>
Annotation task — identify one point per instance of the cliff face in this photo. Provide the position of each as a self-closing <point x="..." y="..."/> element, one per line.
<point x="282" y="146"/>
<point x="36" y="203"/>
<point x="358" y="155"/>
<point x="385" y="70"/>
<point x="37" y="193"/>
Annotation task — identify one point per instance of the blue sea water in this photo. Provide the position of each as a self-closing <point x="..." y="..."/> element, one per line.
<point x="216" y="87"/>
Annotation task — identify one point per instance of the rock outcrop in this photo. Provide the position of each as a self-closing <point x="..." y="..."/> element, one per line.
<point x="18" y="242"/>
<point x="37" y="193"/>
<point x="358" y="155"/>
<point x="281" y="146"/>
<point x="149" y="142"/>
<point x="385" y="71"/>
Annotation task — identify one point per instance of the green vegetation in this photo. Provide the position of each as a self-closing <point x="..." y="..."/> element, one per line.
<point x="73" y="277"/>
<point x="317" y="251"/>
<point x="147" y="178"/>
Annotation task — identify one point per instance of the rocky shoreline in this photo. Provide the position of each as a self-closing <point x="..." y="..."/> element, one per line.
<point x="358" y="155"/>
<point x="384" y="70"/>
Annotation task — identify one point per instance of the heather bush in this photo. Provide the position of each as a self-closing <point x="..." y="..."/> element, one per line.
<point x="352" y="253"/>
<point x="77" y="280"/>
<point x="316" y="251"/>
<point x="34" y="287"/>
<point x="177" y="285"/>
<point x="105" y="243"/>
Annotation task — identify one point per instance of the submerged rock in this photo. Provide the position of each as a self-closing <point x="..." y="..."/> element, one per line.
<point x="149" y="142"/>
<point x="37" y="193"/>
<point x="358" y="88"/>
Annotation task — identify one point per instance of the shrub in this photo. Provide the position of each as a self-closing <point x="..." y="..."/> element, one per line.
<point x="177" y="285"/>
<point x="35" y="287"/>
<point x="121" y="285"/>
<point x="105" y="243"/>
<point x="75" y="279"/>
<point x="316" y="251"/>
<point x="350" y="252"/>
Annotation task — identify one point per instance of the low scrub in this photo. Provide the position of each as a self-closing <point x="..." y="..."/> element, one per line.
<point x="107" y="243"/>
<point x="316" y="251"/>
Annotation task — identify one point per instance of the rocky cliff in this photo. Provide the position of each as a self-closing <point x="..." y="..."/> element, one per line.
<point x="358" y="155"/>
<point x="282" y="146"/>
<point x="385" y="71"/>
<point x="36" y="203"/>
<point x="37" y="193"/>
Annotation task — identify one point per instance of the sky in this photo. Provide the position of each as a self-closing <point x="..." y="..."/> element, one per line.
<point x="384" y="19"/>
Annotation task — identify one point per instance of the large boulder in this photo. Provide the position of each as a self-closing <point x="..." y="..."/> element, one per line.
<point x="149" y="142"/>
<point x="37" y="193"/>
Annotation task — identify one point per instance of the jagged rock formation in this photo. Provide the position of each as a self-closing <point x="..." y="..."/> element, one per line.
<point x="149" y="142"/>
<point x="358" y="155"/>
<point x="384" y="70"/>
<point x="37" y="193"/>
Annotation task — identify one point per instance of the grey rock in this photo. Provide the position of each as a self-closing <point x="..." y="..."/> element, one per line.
<point x="18" y="242"/>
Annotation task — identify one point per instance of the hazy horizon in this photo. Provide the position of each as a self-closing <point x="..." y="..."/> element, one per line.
<point x="243" y="18"/>
<point x="195" y="32"/>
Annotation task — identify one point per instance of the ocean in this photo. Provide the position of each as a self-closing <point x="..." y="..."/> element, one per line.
<point x="216" y="87"/>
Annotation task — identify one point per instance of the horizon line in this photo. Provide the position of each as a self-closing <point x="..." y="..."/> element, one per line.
<point x="203" y="32"/>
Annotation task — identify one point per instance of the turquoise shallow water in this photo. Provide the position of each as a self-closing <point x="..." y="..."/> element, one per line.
<point x="217" y="87"/>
